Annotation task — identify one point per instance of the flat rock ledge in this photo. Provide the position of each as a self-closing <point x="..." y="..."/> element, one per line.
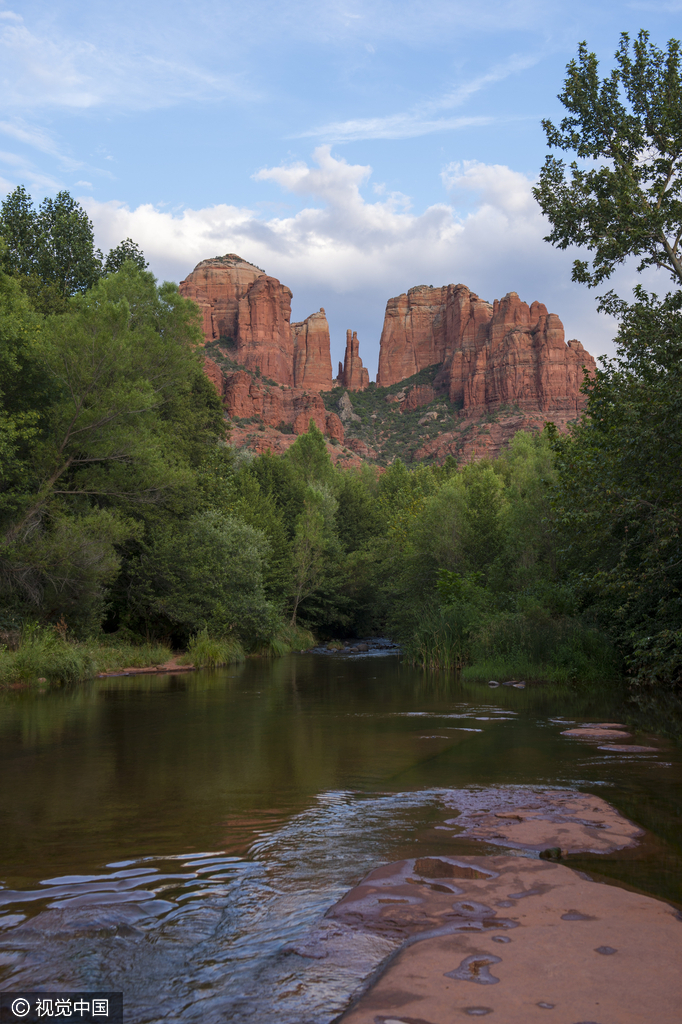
<point x="564" y="820"/>
<point x="510" y="938"/>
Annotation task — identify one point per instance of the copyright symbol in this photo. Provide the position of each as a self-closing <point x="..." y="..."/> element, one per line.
<point x="20" y="1007"/>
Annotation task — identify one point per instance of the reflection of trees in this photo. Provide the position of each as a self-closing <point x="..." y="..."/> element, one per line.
<point x="156" y="765"/>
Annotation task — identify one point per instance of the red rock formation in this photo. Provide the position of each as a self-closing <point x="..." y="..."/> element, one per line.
<point x="246" y="398"/>
<point x="334" y="427"/>
<point x="417" y="396"/>
<point x="251" y="312"/>
<point x="353" y="375"/>
<point x="217" y="285"/>
<point x="264" y="335"/>
<point x="312" y="359"/>
<point x="504" y="354"/>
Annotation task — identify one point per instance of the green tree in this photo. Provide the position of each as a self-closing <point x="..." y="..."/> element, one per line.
<point x="308" y="551"/>
<point x="125" y="250"/>
<point x="630" y="125"/>
<point x="66" y="254"/>
<point x="617" y="504"/>
<point x="205" y="571"/>
<point x="309" y="456"/>
<point x="119" y="420"/>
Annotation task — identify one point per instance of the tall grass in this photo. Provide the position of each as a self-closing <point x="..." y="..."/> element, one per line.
<point x="287" y="639"/>
<point x="204" y="651"/>
<point x="441" y="640"/>
<point x="112" y="656"/>
<point x="538" y="647"/>
<point x="528" y="646"/>
<point x="46" y="654"/>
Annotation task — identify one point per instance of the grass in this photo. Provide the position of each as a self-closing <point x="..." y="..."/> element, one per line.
<point x="44" y="654"/>
<point x="524" y="646"/>
<point x="538" y="647"/>
<point x="204" y="651"/>
<point x="441" y="640"/>
<point x="288" y="639"/>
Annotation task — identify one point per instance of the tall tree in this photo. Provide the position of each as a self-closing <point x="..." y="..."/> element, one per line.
<point x="617" y="504"/>
<point x="630" y="125"/>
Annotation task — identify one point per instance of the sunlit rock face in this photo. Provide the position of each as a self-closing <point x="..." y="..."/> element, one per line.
<point x="312" y="358"/>
<point x="507" y="353"/>
<point x="250" y="312"/>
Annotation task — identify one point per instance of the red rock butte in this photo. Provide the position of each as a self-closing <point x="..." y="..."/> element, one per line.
<point x="250" y="312"/>
<point x="506" y="353"/>
<point x="505" y="356"/>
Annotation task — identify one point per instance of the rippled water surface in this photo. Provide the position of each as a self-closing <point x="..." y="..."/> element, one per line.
<point x="171" y="836"/>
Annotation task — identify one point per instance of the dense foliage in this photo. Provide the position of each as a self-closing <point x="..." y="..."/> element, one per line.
<point x="618" y="501"/>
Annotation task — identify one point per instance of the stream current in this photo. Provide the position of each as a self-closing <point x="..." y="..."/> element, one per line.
<point x="171" y="836"/>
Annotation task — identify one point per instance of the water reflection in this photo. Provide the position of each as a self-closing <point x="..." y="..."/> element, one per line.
<point x="170" y="836"/>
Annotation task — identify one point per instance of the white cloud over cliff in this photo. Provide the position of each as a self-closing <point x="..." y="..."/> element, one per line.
<point x="350" y="254"/>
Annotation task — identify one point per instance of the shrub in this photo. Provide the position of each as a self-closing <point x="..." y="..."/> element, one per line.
<point x="441" y="639"/>
<point x="287" y="639"/>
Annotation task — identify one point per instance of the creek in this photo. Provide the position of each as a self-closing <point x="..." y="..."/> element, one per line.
<point x="170" y="836"/>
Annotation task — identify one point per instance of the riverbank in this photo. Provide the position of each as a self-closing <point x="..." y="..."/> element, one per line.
<point x="44" y="656"/>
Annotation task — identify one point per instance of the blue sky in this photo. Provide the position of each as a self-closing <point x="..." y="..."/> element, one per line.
<point x="352" y="149"/>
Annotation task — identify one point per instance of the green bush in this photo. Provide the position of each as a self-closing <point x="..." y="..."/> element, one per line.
<point x="441" y="640"/>
<point x="288" y="638"/>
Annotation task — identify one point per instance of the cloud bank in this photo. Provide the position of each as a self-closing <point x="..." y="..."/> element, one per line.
<point x="349" y="254"/>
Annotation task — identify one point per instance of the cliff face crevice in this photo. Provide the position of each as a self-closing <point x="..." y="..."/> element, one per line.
<point x="507" y="353"/>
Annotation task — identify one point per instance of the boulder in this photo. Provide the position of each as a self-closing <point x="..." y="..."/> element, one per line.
<point x="345" y="407"/>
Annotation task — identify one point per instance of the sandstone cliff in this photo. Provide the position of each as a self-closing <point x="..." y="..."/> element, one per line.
<point x="250" y="313"/>
<point x="506" y="353"/>
<point x="352" y="375"/>
<point x="312" y="359"/>
<point x="457" y="375"/>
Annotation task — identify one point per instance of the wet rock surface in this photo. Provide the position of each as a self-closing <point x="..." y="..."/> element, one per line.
<point x="529" y="935"/>
<point x="548" y="820"/>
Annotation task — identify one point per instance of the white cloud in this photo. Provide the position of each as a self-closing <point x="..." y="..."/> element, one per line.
<point x="350" y="255"/>
<point x="36" y="138"/>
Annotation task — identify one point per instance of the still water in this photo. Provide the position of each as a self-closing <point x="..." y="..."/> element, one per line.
<point x="170" y="836"/>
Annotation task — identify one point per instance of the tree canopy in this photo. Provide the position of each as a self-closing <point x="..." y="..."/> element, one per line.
<point x="625" y="197"/>
<point x="52" y="249"/>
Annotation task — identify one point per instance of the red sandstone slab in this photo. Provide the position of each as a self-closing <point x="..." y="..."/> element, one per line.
<point x="587" y="952"/>
<point x="594" y="733"/>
